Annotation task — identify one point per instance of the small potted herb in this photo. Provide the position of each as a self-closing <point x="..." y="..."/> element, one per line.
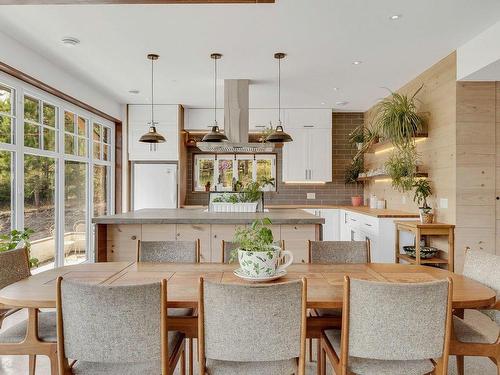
<point x="351" y="177"/>
<point x="422" y="192"/>
<point x="257" y="255"/>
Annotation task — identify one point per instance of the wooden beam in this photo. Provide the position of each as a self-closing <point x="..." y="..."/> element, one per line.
<point x="147" y="2"/>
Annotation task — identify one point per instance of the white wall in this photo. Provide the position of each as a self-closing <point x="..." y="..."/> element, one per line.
<point x="476" y="59"/>
<point x="28" y="61"/>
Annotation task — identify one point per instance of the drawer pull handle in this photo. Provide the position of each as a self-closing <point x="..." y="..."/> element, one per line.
<point x="133" y="238"/>
<point x="353" y="220"/>
<point x="368" y="225"/>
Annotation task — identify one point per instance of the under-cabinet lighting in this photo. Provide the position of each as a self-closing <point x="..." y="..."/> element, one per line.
<point x="306" y="182"/>
<point x="384" y="150"/>
<point x="383" y="180"/>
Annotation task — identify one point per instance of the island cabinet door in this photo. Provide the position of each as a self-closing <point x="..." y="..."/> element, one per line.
<point x="296" y="239"/>
<point x="220" y="233"/>
<point x="193" y="232"/>
<point x="158" y="232"/>
<point x="122" y="242"/>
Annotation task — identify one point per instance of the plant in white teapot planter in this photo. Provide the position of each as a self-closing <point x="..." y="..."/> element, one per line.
<point x="257" y="255"/>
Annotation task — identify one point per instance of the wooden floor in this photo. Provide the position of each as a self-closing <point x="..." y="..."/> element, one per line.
<point x="18" y="365"/>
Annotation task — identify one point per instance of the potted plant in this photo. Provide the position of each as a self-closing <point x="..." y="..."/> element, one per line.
<point x="357" y="137"/>
<point x="13" y="239"/>
<point x="257" y="255"/>
<point x="397" y="119"/>
<point x="422" y="192"/>
<point x="401" y="166"/>
<point x="351" y="177"/>
<point x="246" y="200"/>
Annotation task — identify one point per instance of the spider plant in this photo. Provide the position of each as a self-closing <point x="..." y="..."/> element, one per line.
<point x="397" y="118"/>
<point x="401" y="166"/>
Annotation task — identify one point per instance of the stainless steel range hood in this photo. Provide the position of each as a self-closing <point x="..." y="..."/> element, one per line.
<point x="235" y="122"/>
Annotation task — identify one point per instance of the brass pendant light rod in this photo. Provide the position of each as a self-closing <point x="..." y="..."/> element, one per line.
<point x="153" y="58"/>
<point x="215" y="135"/>
<point x="279" y="56"/>
<point x="215" y="57"/>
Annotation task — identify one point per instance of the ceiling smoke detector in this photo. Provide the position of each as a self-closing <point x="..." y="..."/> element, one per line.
<point x="70" y="41"/>
<point x="343" y="102"/>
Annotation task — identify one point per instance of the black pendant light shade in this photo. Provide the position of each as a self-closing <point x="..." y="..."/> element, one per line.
<point x="214" y="136"/>
<point x="152" y="136"/>
<point x="279" y="135"/>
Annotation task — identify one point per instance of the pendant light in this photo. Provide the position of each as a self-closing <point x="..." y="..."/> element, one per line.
<point x="279" y="135"/>
<point x="152" y="136"/>
<point x="215" y="135"/>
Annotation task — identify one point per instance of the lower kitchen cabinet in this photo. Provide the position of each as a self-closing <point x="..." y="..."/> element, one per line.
<point x="331" y="227"/>
<point x="121" y="240"/>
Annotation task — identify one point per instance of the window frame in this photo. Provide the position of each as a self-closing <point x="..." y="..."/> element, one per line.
<point x="236" y="157"/>
<point x="20" y="90"/>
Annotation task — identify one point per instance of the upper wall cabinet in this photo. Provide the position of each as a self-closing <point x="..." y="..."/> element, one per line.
<point x="309" y="157"/>
<point x="308" y="118"/>
<point x="260" y="118"/>
<point x="202" y="118"/>
<point x="167" y="117"/>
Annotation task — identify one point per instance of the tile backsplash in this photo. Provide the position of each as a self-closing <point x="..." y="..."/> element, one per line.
<point x="335" y="192"/>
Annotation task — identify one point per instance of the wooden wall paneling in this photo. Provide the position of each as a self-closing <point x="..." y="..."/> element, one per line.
<point x="183" y="159"/>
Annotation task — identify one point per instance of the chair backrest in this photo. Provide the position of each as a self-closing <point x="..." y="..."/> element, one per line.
<point x="484" y="268"/>
<point x="252" y="322"/>
<point x="331" y="252"/>
<point x="396" y="321"/>
<point x="14" y="266"/>
<point x="102" y="323"/>
<point x="168" y="251"/>
<point x="229" y="246"/>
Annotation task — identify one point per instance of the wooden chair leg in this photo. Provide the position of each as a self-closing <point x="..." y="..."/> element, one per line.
<point x="53" y="364"/>
<point x="318" y="357"/>
<point x="190" y="360"/>
<point x="32" y="364"/>
<point x="322" y="364"/>
<point x="460" y="364"/>
<point x="310" y="350"/>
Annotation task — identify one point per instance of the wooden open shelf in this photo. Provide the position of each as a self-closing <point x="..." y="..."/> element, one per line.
<point x="434" y="260"/>
<point x="384" y="176"/>
<point x="386" y="145"/>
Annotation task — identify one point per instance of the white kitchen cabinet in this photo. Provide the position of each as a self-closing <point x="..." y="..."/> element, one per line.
<point x="380" y="231"/>
<point x="331" y="227"/>
<point x="316" y="118"/>
<point x="309" y="157"/>
<point x="167" y="118"/>
<point x="261" y="118"/>
<point x="202" y="118"/>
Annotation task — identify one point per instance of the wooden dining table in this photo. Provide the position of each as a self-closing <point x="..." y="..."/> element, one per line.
<point x="324" y="287"/>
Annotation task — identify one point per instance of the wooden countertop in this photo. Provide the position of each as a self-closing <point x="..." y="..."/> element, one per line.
<point x="380" y="213"/>
<point x="200" y="216"/>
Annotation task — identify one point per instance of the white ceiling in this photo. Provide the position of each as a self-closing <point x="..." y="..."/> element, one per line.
<point x="321" y="37"/>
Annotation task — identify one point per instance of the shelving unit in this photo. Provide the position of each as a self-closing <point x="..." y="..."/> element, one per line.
<point x="383" y="176"/>
<point x="425" y="231"/>
<point x="386" y="145"/>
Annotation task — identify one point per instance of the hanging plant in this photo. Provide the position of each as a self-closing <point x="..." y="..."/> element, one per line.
<point x="353" y="170"/>
<point x="397" y="119"/>
<point x="401" y="166"/>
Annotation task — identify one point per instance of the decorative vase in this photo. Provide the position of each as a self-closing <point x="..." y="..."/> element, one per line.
<point x="357" y="201"/>
<point x="260" y="264"/>
<point x="359" y="145"/>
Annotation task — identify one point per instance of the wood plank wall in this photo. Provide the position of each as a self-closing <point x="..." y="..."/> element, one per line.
<point x="438" y="101"/>
<point x="476" y="166"/>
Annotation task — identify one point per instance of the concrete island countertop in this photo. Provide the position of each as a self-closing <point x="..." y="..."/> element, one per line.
<point x="200" y="216"/>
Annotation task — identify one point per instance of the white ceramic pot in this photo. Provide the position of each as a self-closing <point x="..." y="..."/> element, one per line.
<point x="261" y="264"/>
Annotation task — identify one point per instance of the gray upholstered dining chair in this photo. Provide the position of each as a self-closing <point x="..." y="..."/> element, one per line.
<point x="168" y="251"/>
<point x="113" y="330"/>
<point x="339" y="252"/>
<point x="172" y="252"/>
<point x="252" y="329"/>
<point x="229" y="246"/>
<point x="336" y="252"/>
<point x="467" y="339"/>
<point x="14" y="266"/>
<point x="391" y="329"/>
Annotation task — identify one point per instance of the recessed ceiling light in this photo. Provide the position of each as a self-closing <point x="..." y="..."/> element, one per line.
<point x="357" y="62"/>
<point x="70" y="41"/>
<point x="135" y="92"/>
<point x="323" y="103"/>
<point x="336" y="89"/>
<point x="395" y="17"/>
<point x="343" y="102"/>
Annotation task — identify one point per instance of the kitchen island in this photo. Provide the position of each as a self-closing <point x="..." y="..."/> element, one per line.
<point x="117" y="235"/>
